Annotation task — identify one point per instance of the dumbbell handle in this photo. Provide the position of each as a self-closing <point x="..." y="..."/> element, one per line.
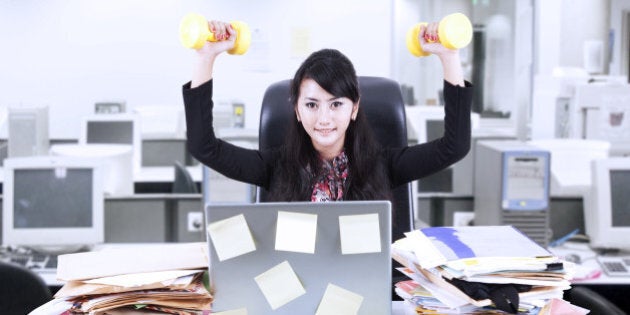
<point x="194" y="33"/>
<point x="454" y="32"/>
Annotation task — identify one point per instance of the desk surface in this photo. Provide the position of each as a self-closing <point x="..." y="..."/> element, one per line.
<point x="588" y="271"/>
<point x="403" y="308"/>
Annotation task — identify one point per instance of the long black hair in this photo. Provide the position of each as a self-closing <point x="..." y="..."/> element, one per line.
<point x="297" y="168"/>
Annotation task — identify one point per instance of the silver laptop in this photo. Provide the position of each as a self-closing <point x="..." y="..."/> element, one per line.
<point x="300" y="257"/>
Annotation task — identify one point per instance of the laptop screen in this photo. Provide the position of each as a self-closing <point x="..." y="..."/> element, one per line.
<point x="300" y="257"/>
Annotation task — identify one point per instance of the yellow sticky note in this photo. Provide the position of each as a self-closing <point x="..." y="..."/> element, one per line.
<point x="296" y="232"/>
<point x="280" y="285"/>
<point x="300" y="41"/>
<point x="360" y="234"/>
<point x="339" y="301"/>
<point x="240" y="311"/>
<point x="231" y="237"/>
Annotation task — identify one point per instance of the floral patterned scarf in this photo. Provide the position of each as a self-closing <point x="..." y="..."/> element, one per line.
<point x="330" y="182"/>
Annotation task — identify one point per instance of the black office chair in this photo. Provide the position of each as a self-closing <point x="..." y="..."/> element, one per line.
<point x="183" y="183"/>
<point x="591" y="300"/>
<point x="381" y="99"/>
<point x="21" y="290"/>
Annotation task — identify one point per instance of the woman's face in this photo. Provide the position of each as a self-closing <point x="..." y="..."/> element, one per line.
<point x="324" y="117"/>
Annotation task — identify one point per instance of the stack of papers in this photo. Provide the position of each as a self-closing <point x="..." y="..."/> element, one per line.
<point x="168" y="279"/>
<point x="477" y="269"/>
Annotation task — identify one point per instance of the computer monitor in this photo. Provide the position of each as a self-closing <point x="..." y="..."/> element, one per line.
<point x="52" y="203"/>
<point x="162" y="121"/>
<point x="568" y="156"/>
<point x="117" y="160"/>
<point x="601" y="112"/>
<point x="426" y="123"/>
<point x="114" y="129"/>
<point x="110" y="107"/>
<point x="607" y="205"/>
<point x="28" y="131"/>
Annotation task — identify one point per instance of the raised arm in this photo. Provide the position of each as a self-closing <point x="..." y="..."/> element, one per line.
<point x="451" y="63"/>
<point x="235" y="162"/>
<point x="207" y="54"/>
<point x="417" y="161"/>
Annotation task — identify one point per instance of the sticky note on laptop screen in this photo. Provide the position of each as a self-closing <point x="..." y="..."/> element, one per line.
<point x="360" y="233"/>
<point x="296" y="232"/>
<point x="280" y="285"/>
<point x="339" y="301"/>
<point x="231" y="237"/>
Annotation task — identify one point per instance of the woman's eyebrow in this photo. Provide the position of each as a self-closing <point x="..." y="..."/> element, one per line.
<point x="311" y="98"/>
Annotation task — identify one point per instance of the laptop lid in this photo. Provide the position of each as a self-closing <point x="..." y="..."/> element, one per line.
<point x="300" y="257"/>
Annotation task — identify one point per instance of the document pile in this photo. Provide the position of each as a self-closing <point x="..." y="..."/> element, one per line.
<point x="480" y="269"/>
<point x="166" y="279"/>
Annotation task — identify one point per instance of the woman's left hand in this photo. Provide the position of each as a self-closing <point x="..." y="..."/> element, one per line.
<point x="430" y="41"/>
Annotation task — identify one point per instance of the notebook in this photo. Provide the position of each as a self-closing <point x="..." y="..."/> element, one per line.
<point x="300" y="257"/>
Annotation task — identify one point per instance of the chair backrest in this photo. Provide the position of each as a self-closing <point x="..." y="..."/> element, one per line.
<point x="589" y="299"/>
<point x="21" y="290"/>
<point x="183" y="183"/>
<point x="382" y="102"/>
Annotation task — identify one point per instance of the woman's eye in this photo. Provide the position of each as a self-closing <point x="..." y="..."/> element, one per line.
<point x="310" y="105"/>
<point x="336" y="104"/>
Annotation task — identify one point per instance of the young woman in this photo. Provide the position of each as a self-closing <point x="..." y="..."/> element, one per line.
<point x="329" y="153"/>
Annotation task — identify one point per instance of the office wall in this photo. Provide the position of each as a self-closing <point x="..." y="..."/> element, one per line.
<point x="68" y="54"/>
<point x="563" y="27"/>
<point x="620" y="25"/>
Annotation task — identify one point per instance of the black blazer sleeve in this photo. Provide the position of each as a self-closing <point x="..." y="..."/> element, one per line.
<point x="414" y="162"/>
<point x="250" y="166"/>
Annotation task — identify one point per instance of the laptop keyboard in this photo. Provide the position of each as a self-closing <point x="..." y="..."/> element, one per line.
<point x="615" y="265"/>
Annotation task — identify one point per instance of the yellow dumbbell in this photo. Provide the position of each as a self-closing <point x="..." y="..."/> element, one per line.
<point x="454" y="32"/>
<point x="194" y="33"/>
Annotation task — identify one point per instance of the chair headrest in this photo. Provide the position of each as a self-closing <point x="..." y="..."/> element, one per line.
<point x="381" y="100"/>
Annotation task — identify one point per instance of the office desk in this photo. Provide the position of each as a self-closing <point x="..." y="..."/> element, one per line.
<point x="589" y="274"/>
<point x="398" y="307"/>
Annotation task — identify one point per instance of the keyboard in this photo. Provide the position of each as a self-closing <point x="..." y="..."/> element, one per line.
<point x="615" y="266"/>
<point x="34" y="261"/>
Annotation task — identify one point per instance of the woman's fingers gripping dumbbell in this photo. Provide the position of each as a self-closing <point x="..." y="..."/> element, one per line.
<point x="222" y="30"/>
<point x="428" y="38"/>
<point x="430" y="33"/>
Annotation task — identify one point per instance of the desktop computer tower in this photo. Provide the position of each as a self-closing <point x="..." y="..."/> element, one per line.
<point x="464" y="170"/>
<point x="28" y="132"/>
<point x="512" y="187"/>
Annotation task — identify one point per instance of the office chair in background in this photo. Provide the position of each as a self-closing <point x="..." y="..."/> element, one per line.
<point x="593" y="301"/>
<point x="381" y="99"/>
<point x="21" y="290"/>
<point x="183" y="183"/>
